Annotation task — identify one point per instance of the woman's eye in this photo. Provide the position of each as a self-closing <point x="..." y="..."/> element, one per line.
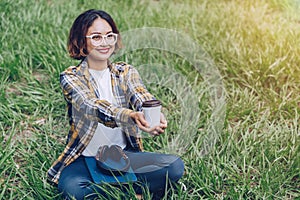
<point x="109" y="36"/>
<point x="96" y="37"/>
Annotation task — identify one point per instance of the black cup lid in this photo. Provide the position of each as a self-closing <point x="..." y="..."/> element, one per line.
<point x="151" y="103"/>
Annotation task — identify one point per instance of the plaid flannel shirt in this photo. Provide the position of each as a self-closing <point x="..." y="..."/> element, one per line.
<point x="86" y="110"/>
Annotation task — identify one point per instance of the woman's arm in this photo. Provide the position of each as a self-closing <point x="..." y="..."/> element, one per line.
<point x="139" y="94"/>
<point x="85" y="103"/>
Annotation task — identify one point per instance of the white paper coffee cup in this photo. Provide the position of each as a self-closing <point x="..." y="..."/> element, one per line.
<point x="151" y="110"/>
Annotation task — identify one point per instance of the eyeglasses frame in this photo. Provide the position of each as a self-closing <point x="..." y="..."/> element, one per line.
<point x="104" y="37"/>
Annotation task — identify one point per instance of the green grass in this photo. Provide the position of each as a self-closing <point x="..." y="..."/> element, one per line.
<point x="254" y="44"/>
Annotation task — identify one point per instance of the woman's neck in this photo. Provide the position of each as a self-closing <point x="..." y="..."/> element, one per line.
<point x="97" y="65"/>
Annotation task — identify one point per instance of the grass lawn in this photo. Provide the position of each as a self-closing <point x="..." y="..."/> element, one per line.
<point x="254" y="46"/>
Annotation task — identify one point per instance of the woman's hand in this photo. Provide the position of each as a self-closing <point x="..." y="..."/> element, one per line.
<point x="140" y="120"/>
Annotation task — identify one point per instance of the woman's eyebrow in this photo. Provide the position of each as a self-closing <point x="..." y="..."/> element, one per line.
<point x="96" y="32"/>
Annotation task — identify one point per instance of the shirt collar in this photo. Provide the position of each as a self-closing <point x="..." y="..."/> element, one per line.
<point x="83" y="68"/>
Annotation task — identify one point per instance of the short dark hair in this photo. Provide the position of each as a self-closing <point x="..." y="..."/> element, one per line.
<point x="77" y="40"/>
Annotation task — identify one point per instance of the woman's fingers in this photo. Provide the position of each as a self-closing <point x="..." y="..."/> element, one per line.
<point x="144" y="125"/>
<point x="139" y="119"/>
<point x="163" y="121"/>
<point x="157" y="130"/>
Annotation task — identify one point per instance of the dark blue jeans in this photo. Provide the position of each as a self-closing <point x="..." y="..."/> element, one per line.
<point x="151" y="169"/>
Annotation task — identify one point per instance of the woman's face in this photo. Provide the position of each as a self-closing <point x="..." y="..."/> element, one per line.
<point x="102" y="51"/>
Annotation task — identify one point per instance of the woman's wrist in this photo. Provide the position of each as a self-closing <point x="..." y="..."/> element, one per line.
<point x="123" y="117"/>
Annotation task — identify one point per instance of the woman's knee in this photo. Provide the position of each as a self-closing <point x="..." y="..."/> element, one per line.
<point x="176" y="170"/>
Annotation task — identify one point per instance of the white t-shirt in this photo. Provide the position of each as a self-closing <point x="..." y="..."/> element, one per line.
<point x="104" y="135"/>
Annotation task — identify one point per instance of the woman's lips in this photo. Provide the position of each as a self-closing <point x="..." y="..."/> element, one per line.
<point x="103" y="51"/>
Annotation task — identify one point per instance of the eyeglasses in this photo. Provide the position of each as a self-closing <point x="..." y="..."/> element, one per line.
<point x="98" y="39"/>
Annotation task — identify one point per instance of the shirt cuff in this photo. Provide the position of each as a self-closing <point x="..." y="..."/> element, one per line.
<point x="123" y="118"/>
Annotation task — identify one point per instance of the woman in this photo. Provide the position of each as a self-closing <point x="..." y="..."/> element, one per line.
<point x="105" y="107"/>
